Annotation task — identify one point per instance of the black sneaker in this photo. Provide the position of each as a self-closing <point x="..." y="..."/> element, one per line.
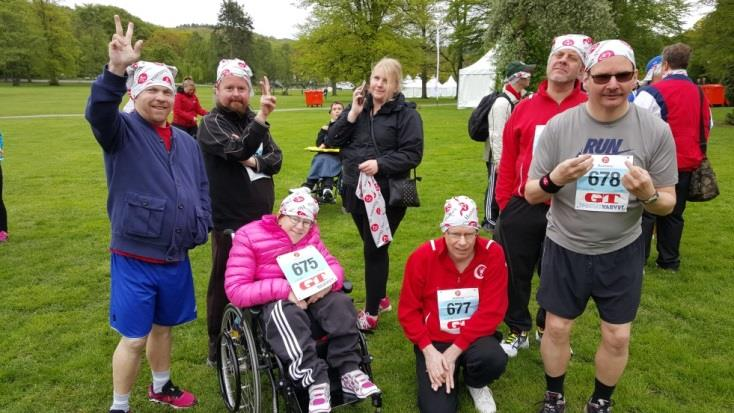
<point x="600" y="406"/>
<point x="120" y="411"/>
<point x="553" y="403"/>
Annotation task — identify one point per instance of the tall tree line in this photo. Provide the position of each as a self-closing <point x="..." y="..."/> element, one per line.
<point x="40" y="39"/>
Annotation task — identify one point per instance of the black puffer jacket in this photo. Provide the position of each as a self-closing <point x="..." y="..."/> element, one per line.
<point x="398" y="132"/>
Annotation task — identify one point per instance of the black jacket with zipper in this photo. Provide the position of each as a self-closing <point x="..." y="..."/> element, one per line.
<point x="398" y="132"/>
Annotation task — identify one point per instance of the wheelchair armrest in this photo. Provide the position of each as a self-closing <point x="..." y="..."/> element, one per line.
<point x="347" y="287"/>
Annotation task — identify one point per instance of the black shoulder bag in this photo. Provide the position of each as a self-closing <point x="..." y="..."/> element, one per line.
<point x="703" y="186"/>
<point x="403" y="191"/>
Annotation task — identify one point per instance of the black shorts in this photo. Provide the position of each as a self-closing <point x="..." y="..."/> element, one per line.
<point x="613" y="280"/>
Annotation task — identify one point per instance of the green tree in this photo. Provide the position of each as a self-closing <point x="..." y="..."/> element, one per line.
<point x="519" y="34"/>
<point x="58" y="54"/>
<point x="165" y="46"/>
<point x="344" y="38"/>
<point x="467" y="22"/>
<point x="648" y="25"/>
<point x="19" y="40"/>
<point x="92" y="25"/>
<point x="418" y="20"/>
<point x="711" y="40"/>
<point x="233" y="33"/>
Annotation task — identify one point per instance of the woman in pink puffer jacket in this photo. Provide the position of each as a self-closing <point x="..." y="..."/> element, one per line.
<point x="253" y="277"/>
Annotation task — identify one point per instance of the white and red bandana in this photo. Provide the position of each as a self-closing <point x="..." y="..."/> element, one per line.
<point x="300" y="204"/>
<point x="368" y="190"/>
<point x="459" y="211"/>
<point x="234" y="67"/>
<point x="142" y="75"/>
<point x="609" y="48"/>
<point x="579" y="43"/>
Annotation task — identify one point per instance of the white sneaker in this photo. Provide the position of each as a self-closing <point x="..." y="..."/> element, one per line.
<point x="483" y="399"/>
<point x="319" y="398"/>
<point x="513" y="342"/>
<point x="356" y="382"/>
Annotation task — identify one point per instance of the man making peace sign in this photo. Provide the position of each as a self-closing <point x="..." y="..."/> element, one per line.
<point x="159" y="208"/>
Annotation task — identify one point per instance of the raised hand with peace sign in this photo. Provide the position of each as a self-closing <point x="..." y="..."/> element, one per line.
<point x="267" y="101"/>
<point x="121" y="50"/>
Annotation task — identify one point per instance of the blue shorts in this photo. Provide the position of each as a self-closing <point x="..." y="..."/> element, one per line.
<point x="613" y="280"/>
<point x="143" y="294"/>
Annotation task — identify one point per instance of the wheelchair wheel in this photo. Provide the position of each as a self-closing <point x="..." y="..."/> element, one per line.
<point x="237" y="366"/>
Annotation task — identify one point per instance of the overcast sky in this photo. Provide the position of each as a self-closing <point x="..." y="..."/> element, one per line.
<point x="276" y="18"/>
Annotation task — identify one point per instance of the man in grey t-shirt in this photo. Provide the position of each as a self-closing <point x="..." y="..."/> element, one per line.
<point x="601" y="164"/>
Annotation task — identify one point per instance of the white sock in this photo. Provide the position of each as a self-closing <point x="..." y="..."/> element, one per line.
<point x="160" y="378"/>
<point x="120" y="402"/>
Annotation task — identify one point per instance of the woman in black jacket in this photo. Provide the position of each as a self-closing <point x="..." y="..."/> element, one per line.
<point x="381" y="135"/>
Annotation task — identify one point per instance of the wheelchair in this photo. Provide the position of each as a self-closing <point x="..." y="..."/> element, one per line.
<point x="253" y="379"/>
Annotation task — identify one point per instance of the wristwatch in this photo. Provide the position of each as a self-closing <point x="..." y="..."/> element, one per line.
<point x="650" y="200"/>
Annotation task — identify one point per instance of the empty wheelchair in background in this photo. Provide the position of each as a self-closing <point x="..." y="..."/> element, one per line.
<point x="253" y="379"/>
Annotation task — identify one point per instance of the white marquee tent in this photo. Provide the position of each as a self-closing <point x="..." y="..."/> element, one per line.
<point x="477" y="81"/>
<point x="412" y="87"/>
<point x="448" y="89"/>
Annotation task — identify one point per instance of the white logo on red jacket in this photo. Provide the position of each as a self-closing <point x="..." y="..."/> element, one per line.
<point x="479" y="271"/>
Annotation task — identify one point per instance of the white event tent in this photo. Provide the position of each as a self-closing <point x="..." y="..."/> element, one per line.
<point x="412" y="87"/>
<point x="448" y="89"/>
<point x="476" y="81"/>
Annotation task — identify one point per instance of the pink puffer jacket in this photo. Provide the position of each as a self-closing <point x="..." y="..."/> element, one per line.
<point x="253" y="276"/>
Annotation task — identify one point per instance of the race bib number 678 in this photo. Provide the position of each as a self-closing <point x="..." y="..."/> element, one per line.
<point x="601" y="189"/>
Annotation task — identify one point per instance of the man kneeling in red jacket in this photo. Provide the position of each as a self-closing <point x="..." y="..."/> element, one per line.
<point x="453" y="298"/>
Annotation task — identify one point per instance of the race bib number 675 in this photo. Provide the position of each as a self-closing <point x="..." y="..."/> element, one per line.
<point x="307" y="271"/>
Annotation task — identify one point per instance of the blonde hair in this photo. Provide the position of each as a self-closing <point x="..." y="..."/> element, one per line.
<point x="393" y="69"/>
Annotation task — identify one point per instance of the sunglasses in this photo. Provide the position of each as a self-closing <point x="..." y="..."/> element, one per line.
<point x="604" y="78"/>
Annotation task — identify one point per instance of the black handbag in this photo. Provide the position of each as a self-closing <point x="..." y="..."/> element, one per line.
<point x="703" y="186"/>
<point x="403" y="191"/>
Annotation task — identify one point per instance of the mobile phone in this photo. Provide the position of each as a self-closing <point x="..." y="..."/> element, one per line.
<point x="363" y="93"/>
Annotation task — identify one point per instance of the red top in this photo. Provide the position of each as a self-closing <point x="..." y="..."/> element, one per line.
<point x="681" y="108"/>
<point x="429" y="269"/>
<point x="519" y="135"/>
<point x="185" y="109"/>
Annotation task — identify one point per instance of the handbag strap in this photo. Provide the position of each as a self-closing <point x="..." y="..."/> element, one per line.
<point x="702" y="131"/>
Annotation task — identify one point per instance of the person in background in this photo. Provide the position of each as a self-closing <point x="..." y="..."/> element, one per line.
<point x="517" y="80"/>
<point x="186" y="107"/>
<point x="159" y="209"/>
<point x="521" y="228"/>
<point x="255" y="277"/>
<point x="594" y="248"/>
<point x="380" y="137"/>
<point x="677" y="100"/>
<point x="3" y="211"/>
<point x="325" y="166"/>
<point x="240" y="157"/>
<point x="454" y="296"/>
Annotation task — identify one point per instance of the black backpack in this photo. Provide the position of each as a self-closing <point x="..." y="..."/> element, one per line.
<point x="478" y="124"/>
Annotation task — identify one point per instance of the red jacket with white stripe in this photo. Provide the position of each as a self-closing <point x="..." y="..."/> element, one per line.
<point x="519" y="135"/>
<point x="430" y="269"/>
<point x="680" y="103"/>
<point x="253" y="276"/>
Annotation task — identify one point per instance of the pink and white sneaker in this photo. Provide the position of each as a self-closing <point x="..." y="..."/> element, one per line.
<point x="356" y="382"/>
<point x="385" y="305"/>
<point x="365" y="321"/>
<point x="172" y="396"/>
<point x="319" y="398"/>
<point x="3" y="236"/>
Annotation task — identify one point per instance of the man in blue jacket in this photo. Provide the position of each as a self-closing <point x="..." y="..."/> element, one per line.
<point x="159" y="208"/>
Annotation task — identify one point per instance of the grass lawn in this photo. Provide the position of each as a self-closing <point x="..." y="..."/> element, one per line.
<point x="56" y="345"/>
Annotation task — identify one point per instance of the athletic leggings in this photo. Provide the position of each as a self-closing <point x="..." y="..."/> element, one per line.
<point x="376" y="260"/>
